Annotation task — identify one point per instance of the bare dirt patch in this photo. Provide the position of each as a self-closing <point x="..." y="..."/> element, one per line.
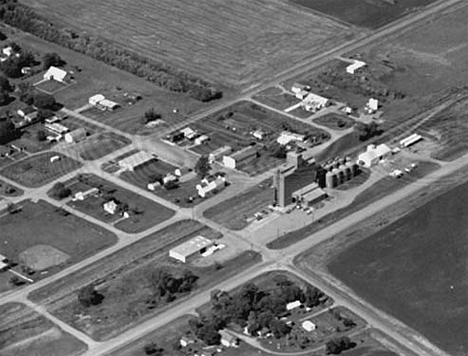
<point x="41" y="257"/>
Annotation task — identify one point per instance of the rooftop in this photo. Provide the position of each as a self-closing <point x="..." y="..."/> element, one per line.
<point x="192" y="246"/>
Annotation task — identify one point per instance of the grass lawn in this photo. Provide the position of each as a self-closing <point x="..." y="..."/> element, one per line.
<point x="339" y="147"/>
<point x="37" y="170"/>
<point x="381" y="188"/>
<point x="8" y="190"/>
<point x="415" y="265"/>
<point x="124" y="279"/>
<point x="23" y="332"/>
<point x="144" y="213"/>
<point x="102" y="144"/>
<point x="233" y="213"/>
<point x="41" y="224"/>
<point x="361" y="178"/>
<point x="335" y="121"/>
<point x="280" y="101"/>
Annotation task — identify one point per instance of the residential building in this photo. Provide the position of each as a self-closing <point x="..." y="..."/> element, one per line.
<point x="189" y="134"/>
<point x="372" y="106"/>
<point x="57" y="74"/>
<point x="314" y="102"/>
<point x="25" y="111"/>
<point x="110" y="207"/>
<point x="219" y="152"/>
<point x="201" y="139"/>
<point x="298" y="87"/>
<point x="96" y="99"/>
<point x="236" y="158"/>
<point x="355" y="67"/>
<point x="228" y="340"/>
<point x="83" y="195"/>
<point x="75" y="135"/>
<point x="258" y="134"/>
<point x="106" y="104"/>
<point x="191" y="248"/>
<point x="373" y="155"/>
<point x="209" y="185"/>
<point x="59" y="116"/>
<point x="293" y="305"/>
<point x="185" y="341"/>
<point x="57" y="128"/>
<point x="135" y="160"/>
<point x="302" y="94"/>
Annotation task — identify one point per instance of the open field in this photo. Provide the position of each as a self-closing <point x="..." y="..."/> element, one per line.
<point x="277" y="100"/>
<point x="335" y="121"/>
<point x="422" y="259"/>
<point x="235" y="43"/>
<point x="37" y="170"/>
<point x="40" y="224"/>
<point x="101" y="145"/>
<point x="23" y="332"/>
<point x="381" y="188"/>
<point x="372" y="14"/>
<point x="93" y="77"/>
<point x="235" y="213"/>
<point x="143" y="213"/>
<point x="124" y="279"/>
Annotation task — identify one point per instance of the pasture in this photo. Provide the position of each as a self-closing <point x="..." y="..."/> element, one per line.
<point x="236" y="43"/>
<point x="371" y="14"/>
<point x="143" y="212"/>
<point x="37" y="170"/>
<point x="23" y="332"/>
<point x="415" y="269"/>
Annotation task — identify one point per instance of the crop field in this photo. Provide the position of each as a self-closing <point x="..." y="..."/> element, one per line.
<point x="101" y="145"/>
<point x="235" y="213"/>
<point x="372" y="14"/>
<point x="143" y="213"/>
<point x="422" y="259"/>
<point x="26" y="233"/>
<point x="234" y="43"/>
<point x="125" y="280"/>
<point x="23" y="332"/>
<point x="37" y="170"/>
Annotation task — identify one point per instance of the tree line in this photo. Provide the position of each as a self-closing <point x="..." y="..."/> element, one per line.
<point x="159" y="73"/>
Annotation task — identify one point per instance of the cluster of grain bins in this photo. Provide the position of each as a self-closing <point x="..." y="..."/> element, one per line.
<point x="340" y="171"/>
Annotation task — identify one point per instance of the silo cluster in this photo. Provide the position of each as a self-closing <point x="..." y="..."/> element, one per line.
<point x="339" y="171"/>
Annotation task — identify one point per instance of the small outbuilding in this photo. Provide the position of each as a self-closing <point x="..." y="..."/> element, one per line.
<point x="193" y="247"/>
<point x="293" y="305"/>
<point x="309" y="326"/>
<point x="298" y="87"/>
<point x="75" y="135"/>
<point x="355" y="67"/>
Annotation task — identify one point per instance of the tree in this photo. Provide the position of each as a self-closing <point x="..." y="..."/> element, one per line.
<point x="5" y="85"/>
<point x="43" y="114"/>
<point x="88" y="296"/>
<point x="279" y="328"/>
<point x="41" y="135"/>
<point x="153" y="349"/>
<point x="202" y="167"/>
<point x="313" y="296"/>
<point x="44" y="101"/>
<point x="52" y="59"/>
<point x="151" y="115"/>
<point x="5" y="98"/>
<point x="8" y="131"/>
<point x="59" y="190"/>
<point x="338" y="345"/>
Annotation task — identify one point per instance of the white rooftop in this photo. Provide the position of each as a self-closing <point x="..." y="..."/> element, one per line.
<point x="192" y="246"/>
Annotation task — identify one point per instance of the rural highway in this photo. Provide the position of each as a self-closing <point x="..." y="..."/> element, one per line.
<point x="282" y="259"/>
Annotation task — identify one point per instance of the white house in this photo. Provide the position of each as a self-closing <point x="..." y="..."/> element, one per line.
<point x="110" y="207"/>
<point x="355" y="66"/>
<point x="228" y="340"/>
<point x="372" y="106"/>
<point x="189" y="134"/>
<point x="57" y="74"/>
<point x="302" y="94"/>
<point x="293" y="305"/>
<point x="298" y="87"/>
<point x="96" y="99"/>
<point x="285" y="137"/>
<point x="83" y="195"/>
<point x="190" y="248"/>
<point x="373" y="155"/>
<point x="75" y="135"/>
<point x="309" y="326"/>
<point x="314" y="102"/>
<point x="207" y="186"/>
<point x="202" y="139"/>
<point x="135" y="160"/>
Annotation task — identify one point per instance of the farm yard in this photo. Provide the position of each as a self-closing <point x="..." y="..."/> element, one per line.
<point x="142" y="212"/>
<point x="38" y="170"/>
<point x="127" y="288"/>
<point x="371" y="14"/>
<point x="236" y="213"/>
<point x="34" y="238"/>
<point x="235" y="43"/>
<point x="422" y="258"/>
<point x="23" y="332"/>
<point x="101" y="145"/>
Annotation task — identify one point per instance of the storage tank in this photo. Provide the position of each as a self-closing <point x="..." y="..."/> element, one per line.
<point x="354" y="168"/>
<point x="350" y="168"/>
<point x="342" y="174"/>
<point x="348" y="172"/>
<point x="336" y="172"/>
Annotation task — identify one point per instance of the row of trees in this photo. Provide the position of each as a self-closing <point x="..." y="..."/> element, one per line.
<point x="254" y="308"/>
<point x="161" y="74"/>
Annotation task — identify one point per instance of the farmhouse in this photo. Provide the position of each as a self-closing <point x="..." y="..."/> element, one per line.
<point x="314" y="102"/>
<point x="309" y="195"/>
<point x="135" y="160"/>
<point x="209" y="185"/>
<point x="83" y="195"/>
<point x="218" y="153"/>
<point x="240" y="156"/>
<point x="299" y="87"/>
<point x="373" y="155"/>
<point x="110" y="207"/>
<point x="285" y="137"/>
<point x="189" y="134"/>
<point x="57" y="74"/>
<point x="227" y="339"/>
<point x="75" y="135"/>
<point x="372" y="106"/>
<point x="309" y="326"/>
<point x="190" y="248"/>
<point x="355" y="66"/>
